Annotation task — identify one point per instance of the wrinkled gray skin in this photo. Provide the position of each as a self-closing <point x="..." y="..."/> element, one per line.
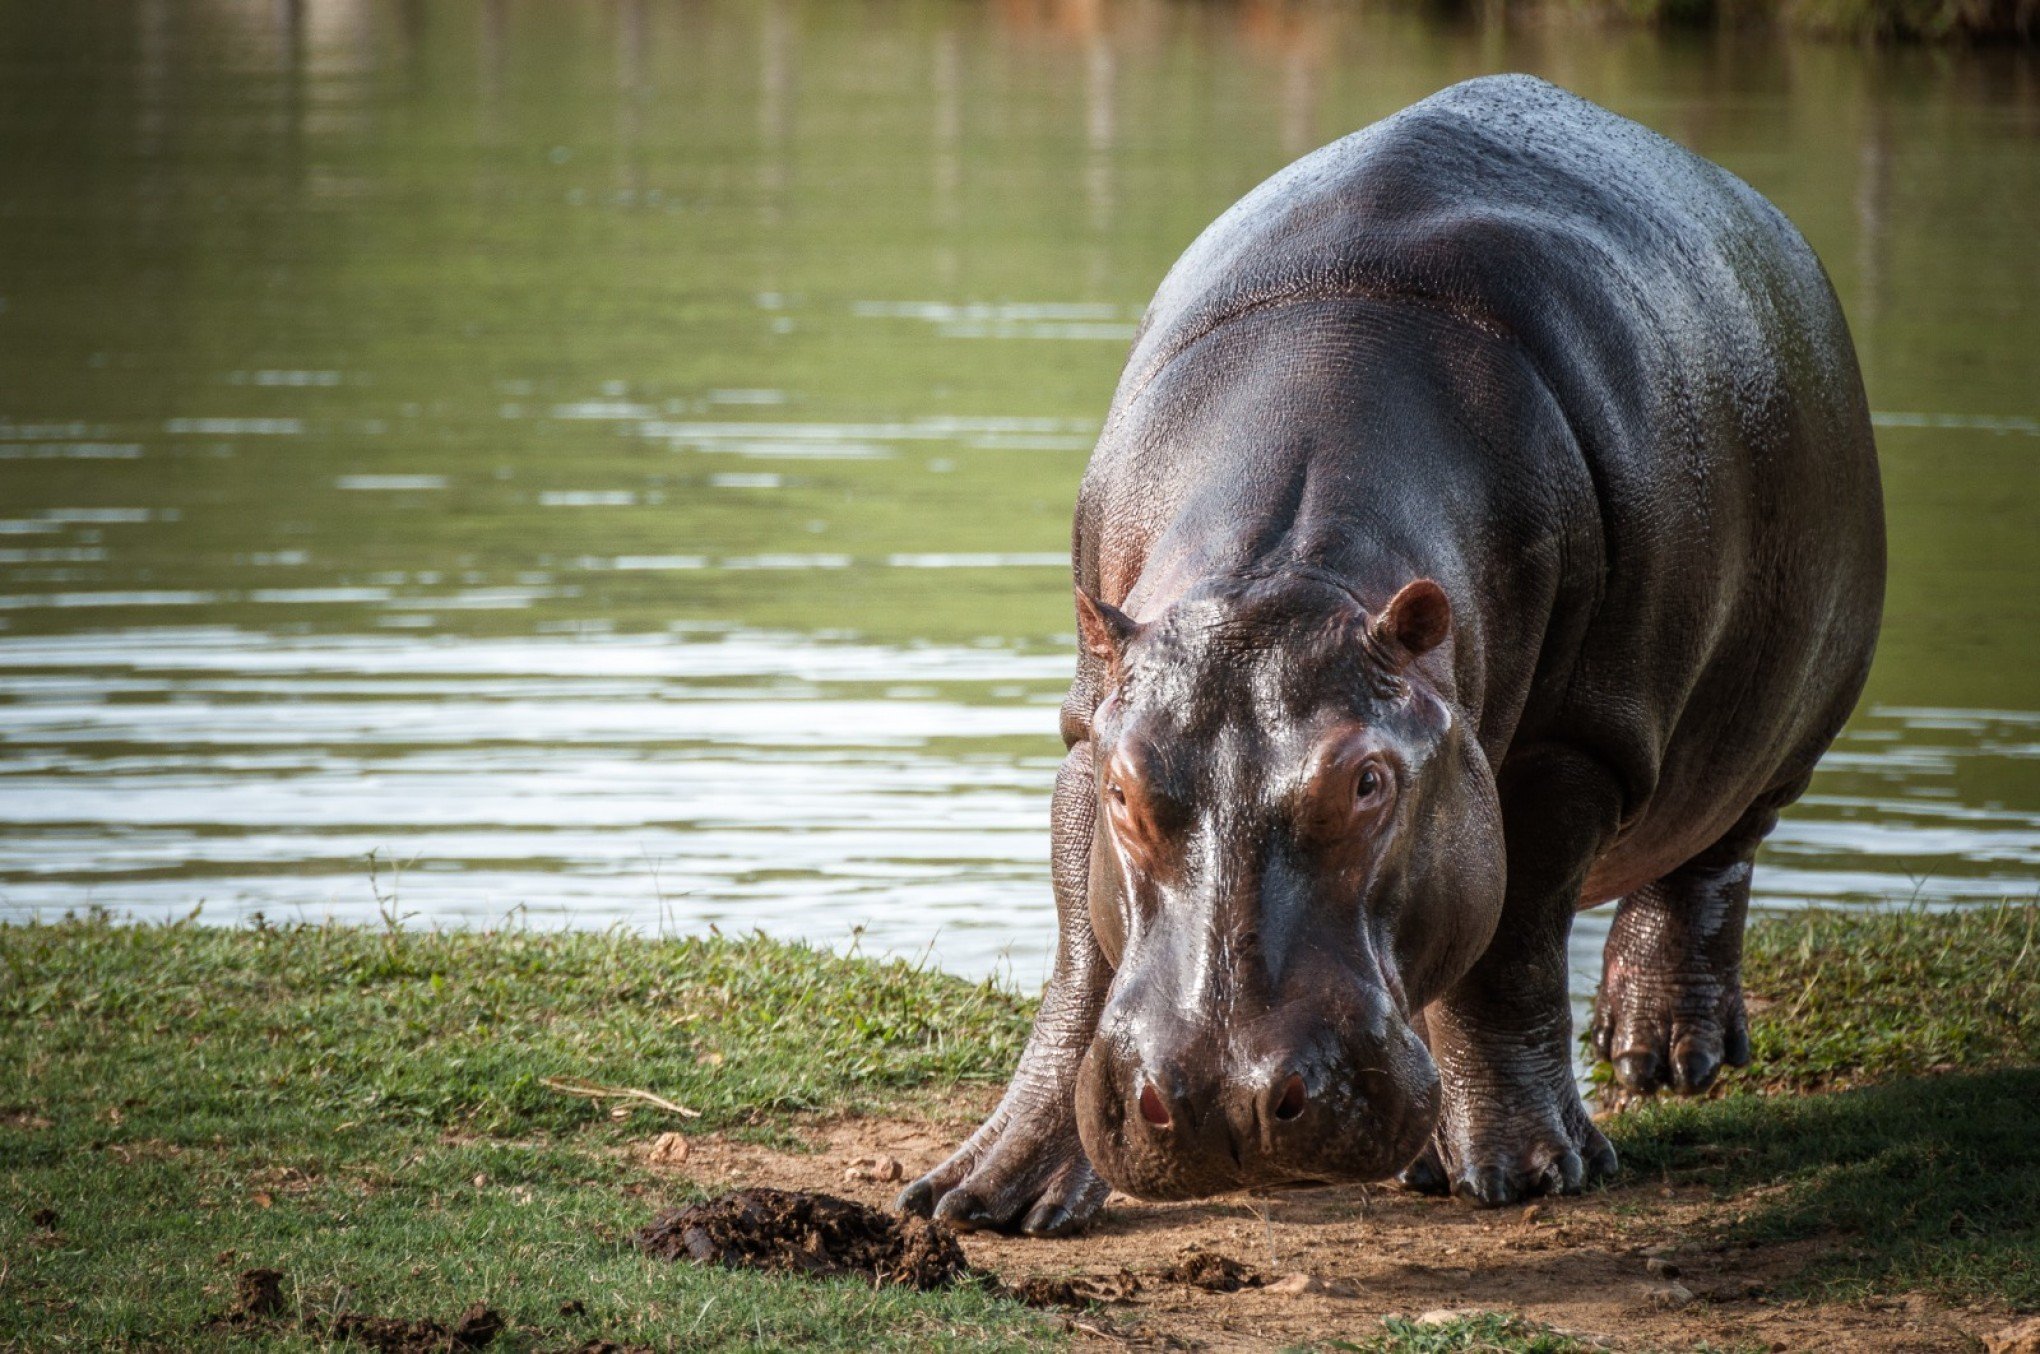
<point x="1486" y="526"/>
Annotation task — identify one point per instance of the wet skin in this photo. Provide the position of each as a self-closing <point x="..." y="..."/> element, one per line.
<point x="1486" y="526"/>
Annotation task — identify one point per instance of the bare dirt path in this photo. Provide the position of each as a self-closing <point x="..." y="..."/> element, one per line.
<point x="1583" y="1266"/>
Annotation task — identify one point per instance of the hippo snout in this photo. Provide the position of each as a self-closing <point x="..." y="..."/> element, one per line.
<point x="1170" y="1109"/>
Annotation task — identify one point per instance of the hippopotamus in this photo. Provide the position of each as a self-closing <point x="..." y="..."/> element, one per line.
<point x="1486" y="526"/>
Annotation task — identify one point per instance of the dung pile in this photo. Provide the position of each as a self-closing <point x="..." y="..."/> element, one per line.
<point x="814" y="1235"/>
<point x="475" y="1329"/>
<point x="1212" y="1272"/>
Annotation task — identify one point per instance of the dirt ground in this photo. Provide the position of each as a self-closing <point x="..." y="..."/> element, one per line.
<point x="1584" y="1266"/>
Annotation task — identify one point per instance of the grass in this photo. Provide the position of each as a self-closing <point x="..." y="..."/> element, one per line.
<point x="1475" y="1333"/>
<point x="1852" y="997"/>
<point x="364" y="1110"/>
<point x="458" y="1030"/>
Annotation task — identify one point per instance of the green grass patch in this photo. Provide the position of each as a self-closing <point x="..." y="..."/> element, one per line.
<point x="364" y="1111"/>
<point x="1849" y="997"/>
<point x="1476" y="1333"/>
<point x="459" y="1030"/>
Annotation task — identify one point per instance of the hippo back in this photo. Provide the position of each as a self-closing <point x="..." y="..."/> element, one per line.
<point x="1700" y="360"/>
<point x="1631" y="268"/>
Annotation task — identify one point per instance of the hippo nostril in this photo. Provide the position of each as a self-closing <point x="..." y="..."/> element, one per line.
<point x="1151" y="1107"/>
<point x="1293" y="1099"/>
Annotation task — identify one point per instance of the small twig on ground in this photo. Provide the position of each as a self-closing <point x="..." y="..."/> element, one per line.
<point x="591" y="1091"/>
<point x="1266" y="1217"/>
<point x="1099" y="1332"/>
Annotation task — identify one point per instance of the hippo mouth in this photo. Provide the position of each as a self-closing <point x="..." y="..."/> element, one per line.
<point x="1365" y="1117"/>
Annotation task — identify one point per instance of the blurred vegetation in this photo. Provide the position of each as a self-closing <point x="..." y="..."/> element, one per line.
<point x="1972" y="21"/>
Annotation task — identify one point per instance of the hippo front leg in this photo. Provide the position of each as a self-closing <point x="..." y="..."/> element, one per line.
<point x="1511" y="1122"/>
<point x="1025" y="1168"/>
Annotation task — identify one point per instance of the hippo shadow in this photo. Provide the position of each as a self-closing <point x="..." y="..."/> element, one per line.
<point x="1931" y="1183"/>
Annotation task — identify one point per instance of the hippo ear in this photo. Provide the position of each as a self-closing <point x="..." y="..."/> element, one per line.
<point x="1106" y="630"/>
<point x="1415" y="620"/>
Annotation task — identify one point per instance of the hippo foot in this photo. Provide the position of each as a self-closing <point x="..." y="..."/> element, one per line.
<point x="1425" y="1175"/>
<point x="1018" y="1173"/>
<point x="1517" y="1156"/>
<point x="1669" y="1029"/>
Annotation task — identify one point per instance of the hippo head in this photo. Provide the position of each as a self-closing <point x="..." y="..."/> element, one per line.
<point x="1298" y="848"/>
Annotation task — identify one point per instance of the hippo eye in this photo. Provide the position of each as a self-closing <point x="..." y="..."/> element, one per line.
<point x="1367" y="784"/>
<point x="1114" y="793"/>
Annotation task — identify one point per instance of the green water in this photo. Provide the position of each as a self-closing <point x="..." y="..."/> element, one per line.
<point x="614" y="459"/>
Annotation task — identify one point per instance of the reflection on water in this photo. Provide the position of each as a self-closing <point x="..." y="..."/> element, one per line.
<point x="724" y="777"/>
<point x="613" y="464"/>
<point x="713" y="776"/>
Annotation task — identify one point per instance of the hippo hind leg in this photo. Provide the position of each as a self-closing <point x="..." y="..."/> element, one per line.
<point x="1669" y="1014"/>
